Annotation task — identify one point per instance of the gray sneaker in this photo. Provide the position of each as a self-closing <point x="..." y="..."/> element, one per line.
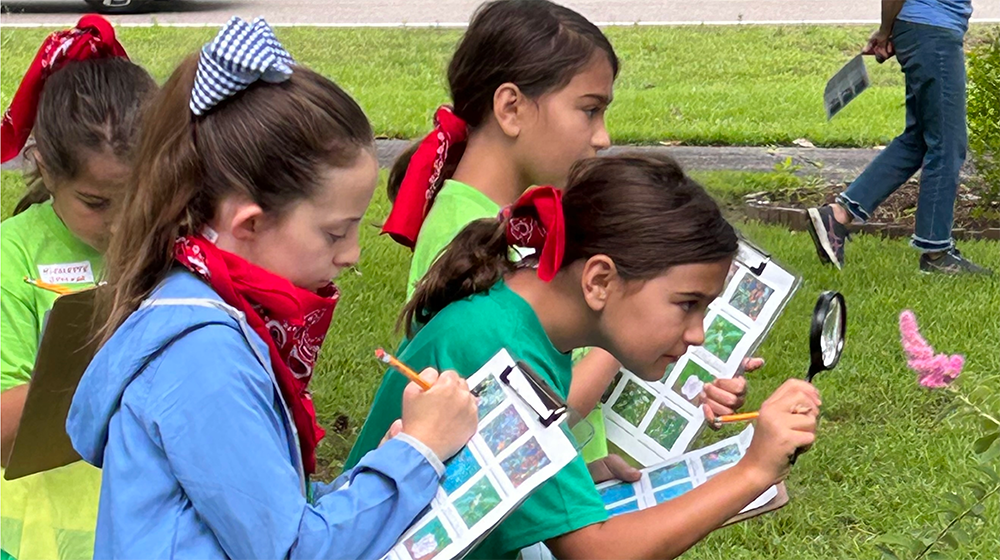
<point x="828" y="235"/>
<point x="952" y="262"/>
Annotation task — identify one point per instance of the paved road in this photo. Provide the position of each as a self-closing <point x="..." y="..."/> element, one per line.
<point x="457" y="12"/>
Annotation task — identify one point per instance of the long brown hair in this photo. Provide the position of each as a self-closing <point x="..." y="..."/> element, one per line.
<point x="87" y="107"/>
<point x="643" y="212"/>
<point x="535" y="44"/>
<point x="268" y="143"/>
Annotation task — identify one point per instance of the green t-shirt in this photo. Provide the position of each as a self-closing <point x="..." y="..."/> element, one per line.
<point x="51" y="514"/>
<point x="37" y="245"/>
<point x="455" y="206"/>
<point x="463" y="337"/>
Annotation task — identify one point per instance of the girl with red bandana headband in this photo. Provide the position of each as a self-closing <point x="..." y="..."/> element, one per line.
<point x="251" y="180"/>
<point x="627" y="260"/>
<point x="81" y="100"/>
<point x="530" y="83"/>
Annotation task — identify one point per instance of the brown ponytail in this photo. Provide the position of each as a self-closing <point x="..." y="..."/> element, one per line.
<point x="165" y="180"/>
<point x="473" y="262"/>
<point x="36" y="193"/>
<point x="642" y="212"/>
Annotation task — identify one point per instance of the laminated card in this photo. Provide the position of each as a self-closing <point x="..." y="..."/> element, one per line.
<point x="521" y="443"/>
<point x="656" y="421"/>
<point x="673" y="478"/>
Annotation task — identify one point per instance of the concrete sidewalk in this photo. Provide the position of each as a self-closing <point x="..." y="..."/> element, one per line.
<point x="832" y="163"/>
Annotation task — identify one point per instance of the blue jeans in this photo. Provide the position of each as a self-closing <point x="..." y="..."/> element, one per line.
<point x="935" y="137"/>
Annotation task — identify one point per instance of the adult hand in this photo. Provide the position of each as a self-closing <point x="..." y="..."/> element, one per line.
<point x="880" y="45"/>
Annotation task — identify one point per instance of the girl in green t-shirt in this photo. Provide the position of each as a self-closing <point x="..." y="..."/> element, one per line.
<point x="82" y="100"/>
<point x="628" y="260"/>
<point x="530" y="83"/>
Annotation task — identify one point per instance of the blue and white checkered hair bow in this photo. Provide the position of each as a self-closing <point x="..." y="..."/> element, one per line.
<point x="240" y="54"/>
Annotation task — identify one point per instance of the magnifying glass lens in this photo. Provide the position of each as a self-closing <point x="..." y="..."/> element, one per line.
<point x="831" y="339"/>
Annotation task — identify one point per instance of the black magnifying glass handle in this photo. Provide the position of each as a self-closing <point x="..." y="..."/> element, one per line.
<point x="795" y="456"/>
<point x="826" y="338"/>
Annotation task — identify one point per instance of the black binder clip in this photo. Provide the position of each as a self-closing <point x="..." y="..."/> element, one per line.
<point x="535" y="392"/>
<point x="765" y="256"/>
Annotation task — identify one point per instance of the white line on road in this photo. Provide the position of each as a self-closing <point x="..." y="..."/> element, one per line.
<point x="450" y="25"/>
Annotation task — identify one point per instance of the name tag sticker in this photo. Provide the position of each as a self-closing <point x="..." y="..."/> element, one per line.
<point x="66" y="273"/>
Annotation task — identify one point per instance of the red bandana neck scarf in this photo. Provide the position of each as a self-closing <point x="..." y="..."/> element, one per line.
<point x="292" y="321"/>
<point x="92" y="38"/>
<point x="416" y="194"/>
<point x="536" y="221"/>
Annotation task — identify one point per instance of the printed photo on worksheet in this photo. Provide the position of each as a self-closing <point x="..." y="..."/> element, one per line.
<point x="512" y="453"/>
<point x="673" y="478"/>
<point x="656" y="421"/>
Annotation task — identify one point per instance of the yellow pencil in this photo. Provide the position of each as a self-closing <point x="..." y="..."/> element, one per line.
<point x="406" y="370"/>
<point x="736" y="417"/>
<point x="61" y="290"/>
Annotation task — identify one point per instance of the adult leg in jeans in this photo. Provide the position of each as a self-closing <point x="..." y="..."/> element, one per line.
<point x="942" y="117"/>
<point x="888" y="171"/>
<point x="905" y="154"/>
<point x="941" y="99"/>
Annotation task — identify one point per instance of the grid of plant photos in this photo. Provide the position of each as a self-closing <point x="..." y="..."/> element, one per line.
<point x="656" y="421"/>
<point x="677" y="476"/>
<point x="511" y="455"/>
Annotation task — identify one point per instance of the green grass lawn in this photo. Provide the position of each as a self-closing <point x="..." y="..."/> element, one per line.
<point x="700" y="85"/>
<point x="881" y="465"/>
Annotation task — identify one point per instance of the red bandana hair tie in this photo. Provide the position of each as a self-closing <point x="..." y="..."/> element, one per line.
<point x="92" y="38"/>
<point x="418" y="190"/>
<point x="536" y="221"/>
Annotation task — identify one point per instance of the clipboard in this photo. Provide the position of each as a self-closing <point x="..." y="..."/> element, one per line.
<point x="666" y="481"/>
<point x="539" y="551"/>
<point x="68" y="345"/>
<point x="550" y="408"/>
<point x="637" y="411"/>
<point x="774" y="503"/>
<point x="529" y="387"/>
<point x="522" y="441"/>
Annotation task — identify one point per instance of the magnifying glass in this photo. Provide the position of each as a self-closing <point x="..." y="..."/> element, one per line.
<point x="826" y="344"/>
<point x="826" y="334"/>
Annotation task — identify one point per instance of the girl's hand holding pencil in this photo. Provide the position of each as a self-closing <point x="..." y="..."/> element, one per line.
<point x="786" y="423"/>
<point x="724" y="397"/>
<point x="438" y="409"/>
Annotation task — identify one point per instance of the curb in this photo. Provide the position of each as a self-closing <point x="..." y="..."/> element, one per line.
<point x="796" y="219"/>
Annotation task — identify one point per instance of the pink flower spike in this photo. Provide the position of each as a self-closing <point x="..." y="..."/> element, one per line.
<point x="934" y="371"/>
<point x="913" y="344"/>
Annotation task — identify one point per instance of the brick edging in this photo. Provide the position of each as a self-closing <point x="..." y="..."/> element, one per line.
<point x="796" y="219"/>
